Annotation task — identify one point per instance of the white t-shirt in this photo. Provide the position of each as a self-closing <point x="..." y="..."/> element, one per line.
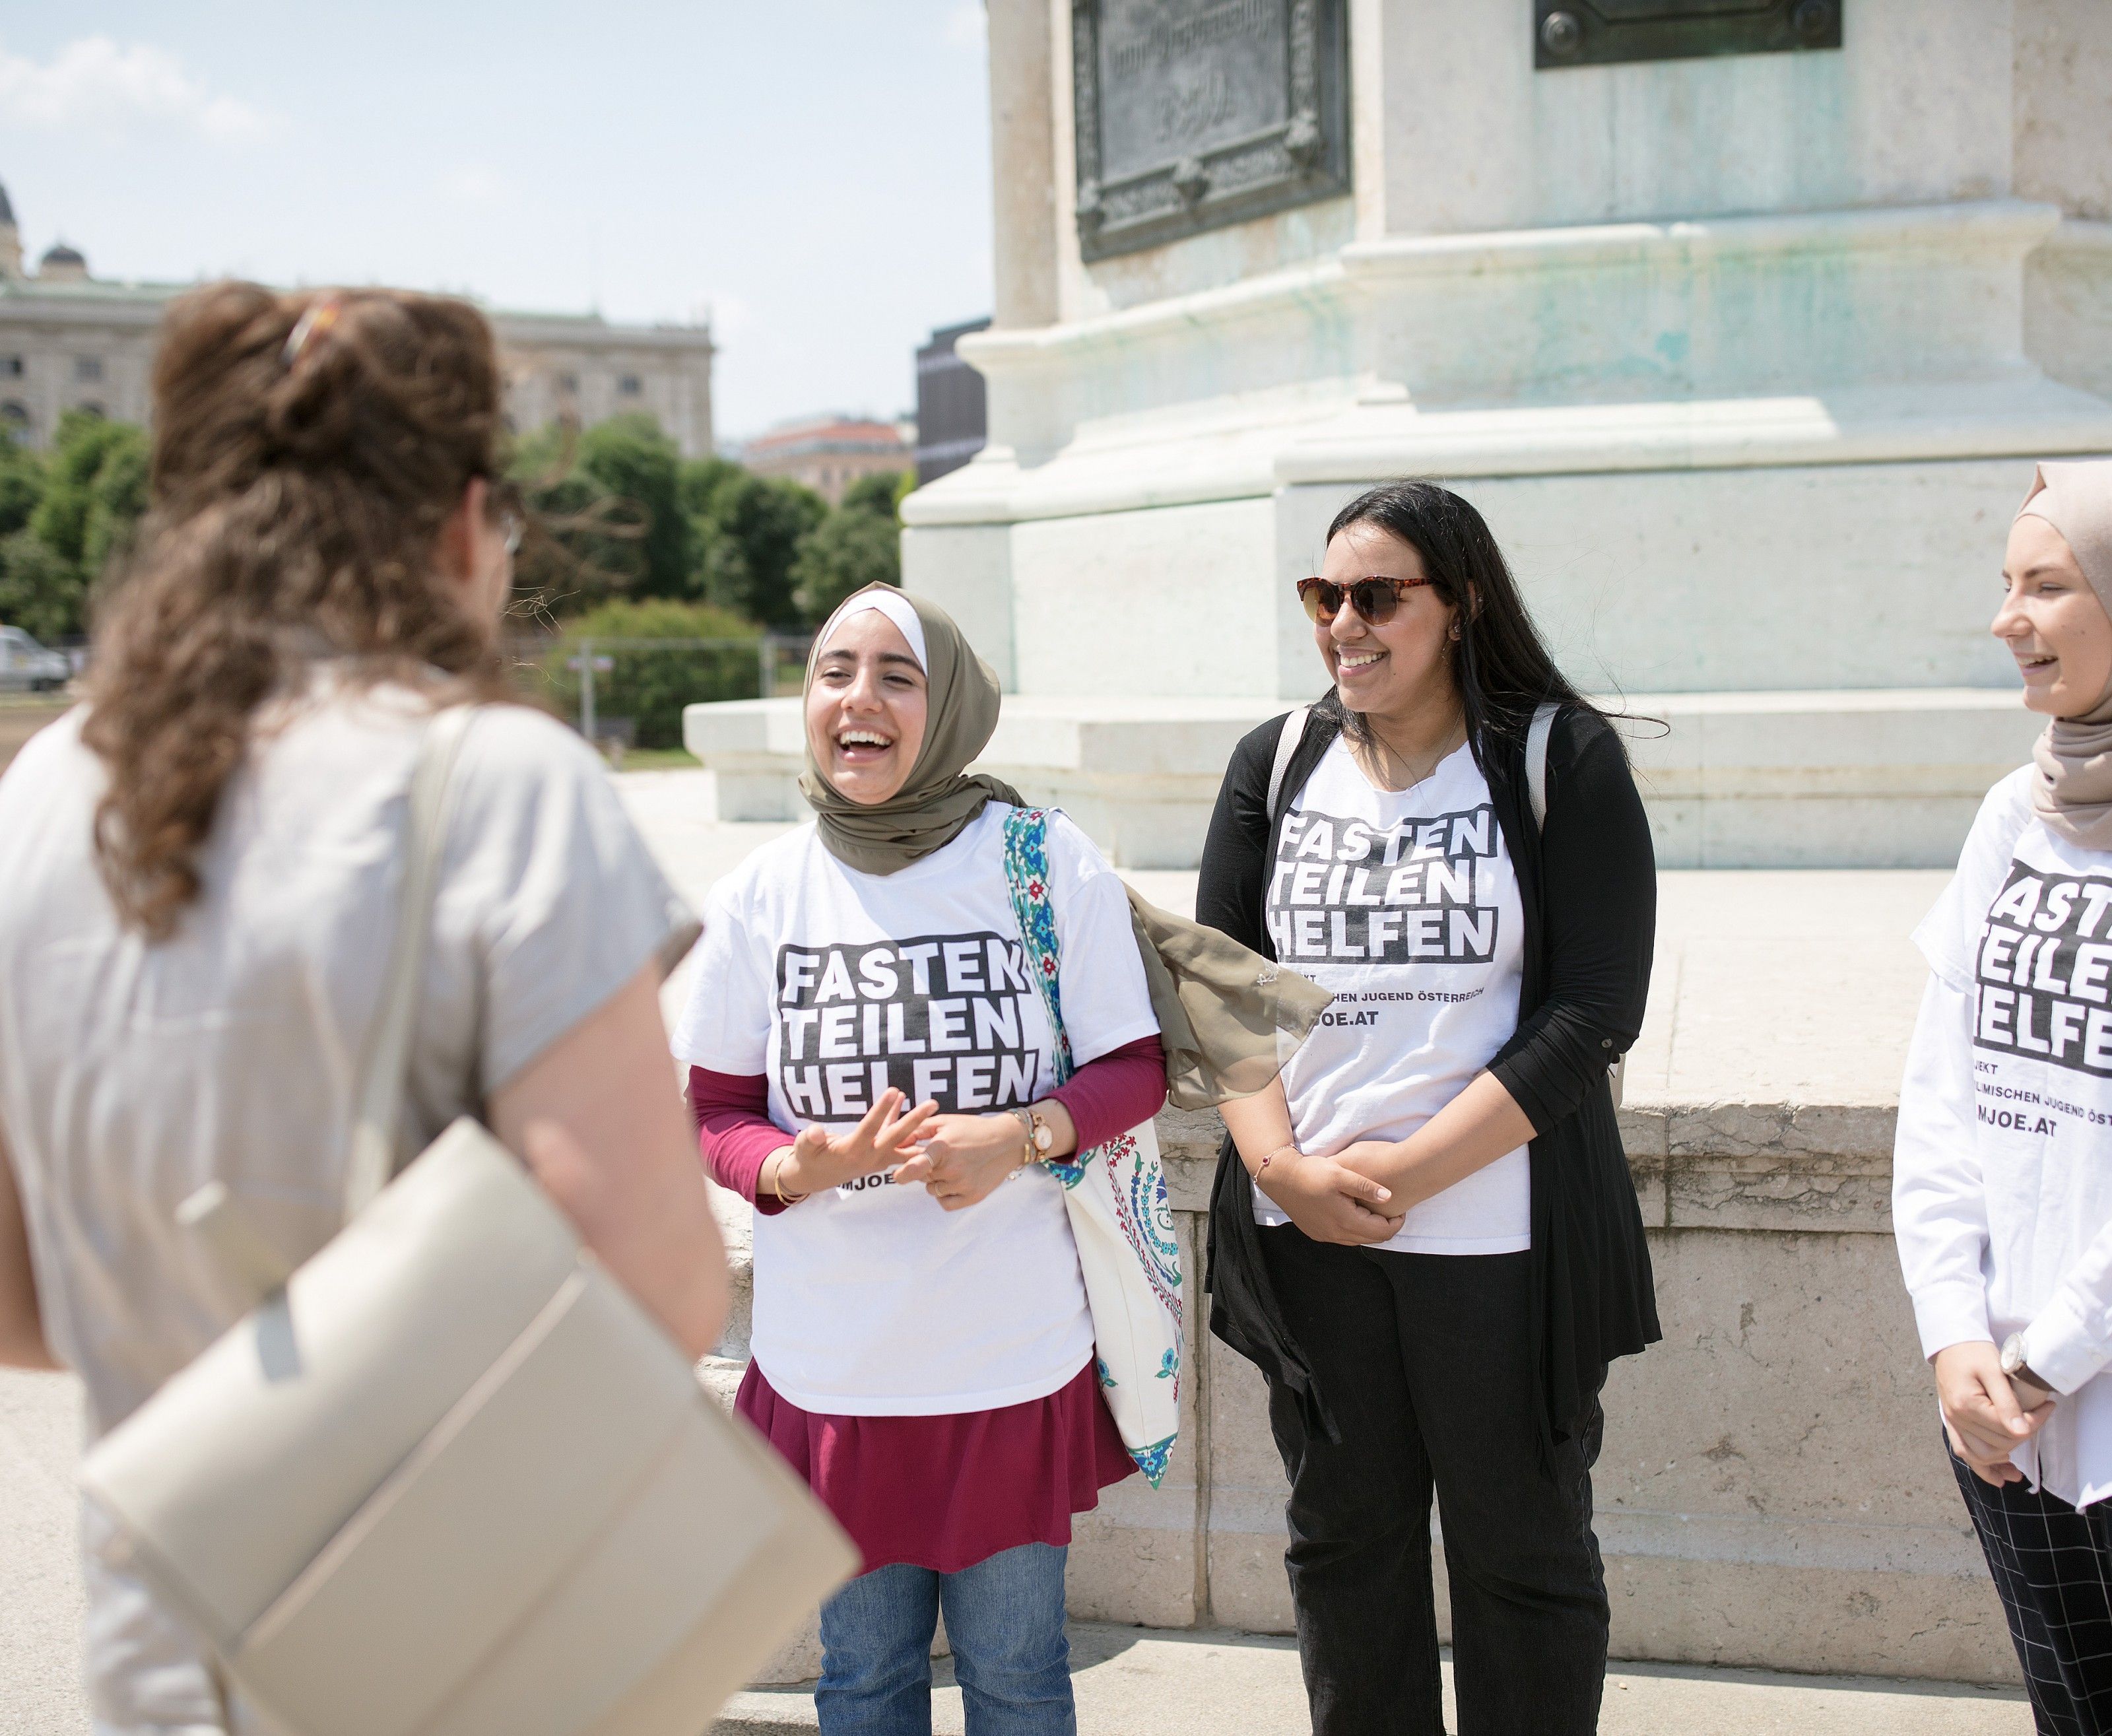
<point x="1404" y="903"/>
<point x="2002" y="1172"/>
<point x="870" y="1300"/>
<point x="132" y="1074"/>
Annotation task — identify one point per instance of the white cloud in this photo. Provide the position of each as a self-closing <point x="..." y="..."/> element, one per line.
<point x="96" y="84"/>
<point x="967" y="25"/>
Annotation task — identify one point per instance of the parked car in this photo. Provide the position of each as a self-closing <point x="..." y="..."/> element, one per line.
<point x="25" y="664"/>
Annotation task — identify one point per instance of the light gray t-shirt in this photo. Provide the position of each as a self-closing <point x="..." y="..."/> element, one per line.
<point x="131" y="1073"/>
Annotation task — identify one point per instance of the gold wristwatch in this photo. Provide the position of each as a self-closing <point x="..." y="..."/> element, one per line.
<point x="1040" y="1137"/>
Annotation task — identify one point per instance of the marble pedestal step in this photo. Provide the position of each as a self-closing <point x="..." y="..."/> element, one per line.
<point x="1866" y="778"/>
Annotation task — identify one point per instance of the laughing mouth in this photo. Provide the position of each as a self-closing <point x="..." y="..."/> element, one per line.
<point x="2034" y="665"/>
<point x="1356" y="659"/>
<point x="863" y="738"/>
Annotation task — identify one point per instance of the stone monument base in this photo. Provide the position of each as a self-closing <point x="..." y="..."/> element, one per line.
<point x="1883" y="778"/>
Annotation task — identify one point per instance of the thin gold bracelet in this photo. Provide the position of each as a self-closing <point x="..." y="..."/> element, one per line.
<point x="777" y="1179"/>
<point x="1289" y="1145"/>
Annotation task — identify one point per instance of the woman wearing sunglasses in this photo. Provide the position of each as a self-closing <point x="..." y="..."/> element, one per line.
<point x="1425" y="1234"/>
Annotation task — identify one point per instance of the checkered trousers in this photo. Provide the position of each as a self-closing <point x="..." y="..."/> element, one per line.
<point x="2053" y="1567"/>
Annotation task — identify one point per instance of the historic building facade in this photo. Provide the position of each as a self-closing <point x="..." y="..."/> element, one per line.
<point x="70" y="340"/>
<point x="830" y="453"/>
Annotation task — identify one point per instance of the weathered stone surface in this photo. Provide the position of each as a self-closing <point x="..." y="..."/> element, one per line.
<point x="1248" y="1589"/>
<point x="1135" y="1557"/>
<point x="1776" y="1456"/>
<point x="1770" y="1486"/>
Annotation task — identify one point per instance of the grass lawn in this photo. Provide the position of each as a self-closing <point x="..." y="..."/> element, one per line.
<point x="657" y="759"/>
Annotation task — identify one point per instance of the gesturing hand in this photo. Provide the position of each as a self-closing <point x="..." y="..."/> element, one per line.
<point x="964" y="1160"/>
<point x="821" y="1159"/>
<point x="1328" y="1200"/>
<point x="1981" y="1412"/>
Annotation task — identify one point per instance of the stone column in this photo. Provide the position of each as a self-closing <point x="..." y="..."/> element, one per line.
<point x="1023" y="162"/>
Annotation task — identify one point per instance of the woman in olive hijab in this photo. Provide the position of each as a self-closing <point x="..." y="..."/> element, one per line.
<point x="873" y="1064"/>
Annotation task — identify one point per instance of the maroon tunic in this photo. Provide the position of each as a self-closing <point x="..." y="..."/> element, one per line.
<point x="941" y="1492"/>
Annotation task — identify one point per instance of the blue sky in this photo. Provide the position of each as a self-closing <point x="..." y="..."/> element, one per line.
<point x="815" y="173"/>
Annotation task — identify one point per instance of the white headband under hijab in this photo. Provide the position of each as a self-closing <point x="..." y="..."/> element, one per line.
<point x="891" y="603"/>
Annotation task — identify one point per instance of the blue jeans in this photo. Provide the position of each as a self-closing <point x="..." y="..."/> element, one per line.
<point x="1005" y="1619"/>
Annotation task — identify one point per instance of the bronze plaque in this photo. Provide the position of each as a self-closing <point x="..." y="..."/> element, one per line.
<point x="1192" y="114"/>
<point x="1597" y="33"/>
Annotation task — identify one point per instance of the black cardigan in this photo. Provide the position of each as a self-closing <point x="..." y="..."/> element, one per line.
<point x="1589" y="887"/>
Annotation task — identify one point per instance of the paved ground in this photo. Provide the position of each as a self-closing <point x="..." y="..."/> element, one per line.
<point x="1135" y="1682"/>
<point x="1769" y="986"/>
<point x="40" y="1598"/>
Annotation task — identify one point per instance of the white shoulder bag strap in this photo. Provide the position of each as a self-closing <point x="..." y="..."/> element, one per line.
<point x="378" y="1108"/>
<point x="1536" y="789"/>
<point x="1536" y="761"/>
<point x="215" y="1215"/>
<point x="1286" y="747"/>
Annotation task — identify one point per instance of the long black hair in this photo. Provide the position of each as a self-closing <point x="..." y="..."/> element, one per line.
<point x="1501" y="666"/>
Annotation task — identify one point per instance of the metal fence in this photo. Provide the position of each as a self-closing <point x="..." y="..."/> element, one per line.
<point x="627" y="693"/>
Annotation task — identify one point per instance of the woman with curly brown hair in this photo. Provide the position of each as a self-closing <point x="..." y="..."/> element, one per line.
<point x="202" y="867"/>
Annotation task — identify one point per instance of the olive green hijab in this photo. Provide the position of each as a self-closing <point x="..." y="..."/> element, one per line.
<point x="1228" y="1018"/>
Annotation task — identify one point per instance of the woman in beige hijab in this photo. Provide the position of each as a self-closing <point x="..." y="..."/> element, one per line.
<point x="873" y="1064"/>
<point x="2002" y="1190"/>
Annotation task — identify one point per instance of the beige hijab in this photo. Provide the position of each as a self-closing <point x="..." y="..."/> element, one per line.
<point x="1227" y="1017"/>
<point x="2073" y="790"/>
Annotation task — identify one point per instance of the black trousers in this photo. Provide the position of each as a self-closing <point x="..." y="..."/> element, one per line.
<point x="1423" y="1360"/>
<point x="2052" y="1566"/>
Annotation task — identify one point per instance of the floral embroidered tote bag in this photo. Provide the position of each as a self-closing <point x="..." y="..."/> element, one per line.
<point x="1116" y="1197"/>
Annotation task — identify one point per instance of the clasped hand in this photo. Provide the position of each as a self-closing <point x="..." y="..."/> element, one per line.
<point x="964" y="1160"/>
<point x="1982" y="1411"/>
<point x="960" y="1160"/>
<point x="1329" y="1199"/>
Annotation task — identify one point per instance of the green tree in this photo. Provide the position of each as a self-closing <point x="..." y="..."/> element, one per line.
<point x="40" y="590"/>
<point x="74" y="484"/>
<point x="634" y="462"/>
<point x="757" y="527"/>
<point x="881" y="494"/>
<point x="850" y="549"/>
<point x="702" y="480"/>
<point x="649" y="685"/>
<point x="21" y="483"/>
<point x="584" y="544"/>
<point x="117" y="501"/>
<point x="858" y="544"/>
<point x="64" y="518"/>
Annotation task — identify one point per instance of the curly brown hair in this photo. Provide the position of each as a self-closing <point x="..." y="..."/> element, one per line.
<point x="299" y="490"/>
